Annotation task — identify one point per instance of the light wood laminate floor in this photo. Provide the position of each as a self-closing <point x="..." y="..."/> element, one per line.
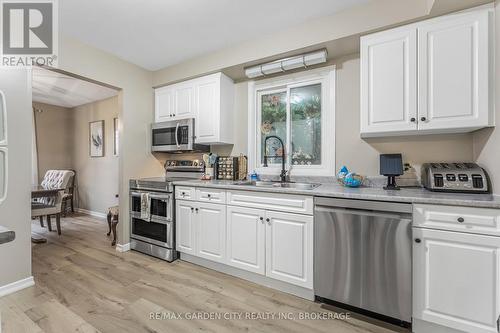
<point x="84" y="285"/>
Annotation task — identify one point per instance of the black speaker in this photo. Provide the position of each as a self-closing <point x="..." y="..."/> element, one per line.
<point x="391" y="165"/>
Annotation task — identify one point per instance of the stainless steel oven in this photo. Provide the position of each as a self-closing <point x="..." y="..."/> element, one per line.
<point x="175" y="136"/>
<point x="156" y="234"/>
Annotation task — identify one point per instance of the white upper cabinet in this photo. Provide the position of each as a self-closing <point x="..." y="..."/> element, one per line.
<point x="184" y="101"/>
<point x="453" y="65"/>
<point x="174" y="102"/>
<point x="214" y="109"/>
<point x="209" y="99"/>
<point x="429" y="77"/>
<point x="388" y="81"/>
<point x="164" y="104"/>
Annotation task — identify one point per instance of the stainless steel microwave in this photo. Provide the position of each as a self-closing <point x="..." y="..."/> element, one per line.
<point x="175" y="136"/>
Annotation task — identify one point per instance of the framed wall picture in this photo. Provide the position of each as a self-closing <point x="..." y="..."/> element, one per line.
<point x="116" y="137"/>
<point x="96" y="138"/>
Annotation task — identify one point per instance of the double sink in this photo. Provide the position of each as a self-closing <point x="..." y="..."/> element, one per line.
<point x="276" y="184"/>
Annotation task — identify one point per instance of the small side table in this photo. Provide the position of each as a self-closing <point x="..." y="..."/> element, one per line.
<point x="112" y="222"/>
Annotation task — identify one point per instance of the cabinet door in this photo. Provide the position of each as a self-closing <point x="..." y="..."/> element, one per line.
<point x="184" y="100"/>
<point x="185" y="226"/>
<point x="388" y="82"/>
<point x="211" y="231"/>
<point x="456" y="279"/>
<point x="246" y="239"/>
<point x="208" y="109"/>
<point x="164" y="104"/>
<point x="453" y="81"/>
<point x="289" y="248"/>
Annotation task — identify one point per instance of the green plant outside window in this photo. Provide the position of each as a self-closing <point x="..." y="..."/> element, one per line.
<point x="304" y="121"/>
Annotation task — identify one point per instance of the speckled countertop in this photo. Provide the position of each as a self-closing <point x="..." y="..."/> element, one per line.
<point x="6" y="235"/>
<point x="334" y="190"/>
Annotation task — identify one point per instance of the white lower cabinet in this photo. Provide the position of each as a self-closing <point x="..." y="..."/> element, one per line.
<point x="246" y="239"/>
<point x="289" y="248"/>
<point x="274" y="244"/>
<point x="456" y="280"/>
<point x="185" y="226"/>
<point x="211" y="227"/>
<point x="279" y="245"/>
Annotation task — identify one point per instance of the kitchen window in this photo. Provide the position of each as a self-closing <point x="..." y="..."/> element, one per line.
<point x="299" y="109"/>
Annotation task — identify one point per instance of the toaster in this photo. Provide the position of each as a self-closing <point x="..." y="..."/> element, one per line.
<point x="455" y="177"/>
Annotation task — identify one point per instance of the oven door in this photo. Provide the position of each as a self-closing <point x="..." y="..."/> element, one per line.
<point x="173" y="135"/>
<point x="161" y="234"/>
<point x="161" y="206"/>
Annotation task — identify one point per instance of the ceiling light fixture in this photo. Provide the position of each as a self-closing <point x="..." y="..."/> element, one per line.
<point x="286" y="64"/>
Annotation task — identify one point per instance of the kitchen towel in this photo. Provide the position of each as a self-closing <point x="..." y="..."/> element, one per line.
<point x="145" y="207"/>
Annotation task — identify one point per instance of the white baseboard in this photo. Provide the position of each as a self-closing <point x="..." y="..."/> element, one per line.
<point x="123" y="248"/>
<point x="91" y="213"/>
<point x="16" y="286"/>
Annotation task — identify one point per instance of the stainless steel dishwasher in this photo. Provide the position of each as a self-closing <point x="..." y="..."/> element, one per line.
<point x="362" y="257"/>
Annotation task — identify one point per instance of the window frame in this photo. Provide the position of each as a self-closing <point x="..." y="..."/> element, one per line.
<point x="324" y="76"/>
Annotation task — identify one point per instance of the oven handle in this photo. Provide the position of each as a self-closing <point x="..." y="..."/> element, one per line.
<point x="177" y="135"/>
<point x="152" y="196"/>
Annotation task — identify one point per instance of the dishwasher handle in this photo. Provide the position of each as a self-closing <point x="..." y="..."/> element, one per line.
<point x="369" y="205"/>
<point x="403" y="217"/>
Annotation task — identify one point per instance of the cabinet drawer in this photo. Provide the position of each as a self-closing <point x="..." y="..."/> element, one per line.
<point x="465" y="219"/>
<point x="273" y="201"/>
<point x="185" y="193"/>
<point x="211" y="195"/>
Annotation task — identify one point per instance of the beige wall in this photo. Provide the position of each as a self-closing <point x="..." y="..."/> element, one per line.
<point x="487" y="141"/>
<point x="136" y="113"/>
<point x="360" y="155"/>
<point x="97" y="176"/>
<point x="54" y="135"/>
<point x="63" y="143"/>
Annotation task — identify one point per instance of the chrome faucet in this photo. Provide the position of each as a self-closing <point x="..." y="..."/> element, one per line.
<point x="283" y="175"/>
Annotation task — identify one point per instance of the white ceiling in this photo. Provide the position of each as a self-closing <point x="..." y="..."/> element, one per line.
<point x="158" y="33"/>
<point x="62" y="90"/>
